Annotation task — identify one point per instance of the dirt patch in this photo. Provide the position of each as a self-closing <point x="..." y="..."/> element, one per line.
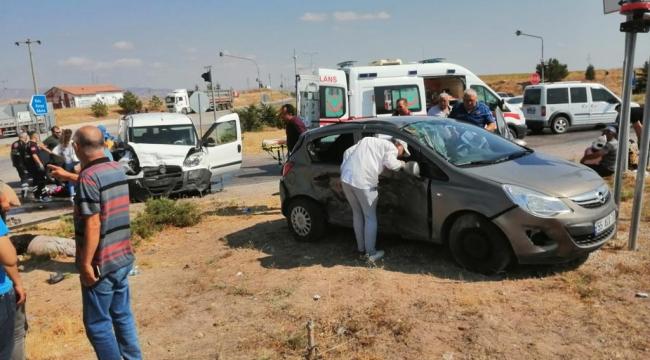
<point x="237" y="286"/>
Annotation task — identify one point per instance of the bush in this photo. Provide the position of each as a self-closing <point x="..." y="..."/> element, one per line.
<point x="130" y="103"/>
<point x="590" y="73"/>
<point x="155" y="104"/>
<point x="553" y="70"/>
<point x="161" y="212"/>
<point x="270" y="117"/>
<point x="250" y="118"/>
<point x="99" y="109"/>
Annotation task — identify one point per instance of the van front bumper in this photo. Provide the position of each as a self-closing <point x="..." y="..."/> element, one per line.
<point x="172" y="181"/>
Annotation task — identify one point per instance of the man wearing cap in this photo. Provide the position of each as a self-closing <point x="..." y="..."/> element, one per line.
<point x="607" y="154"/>
<point x="362" y="164"/>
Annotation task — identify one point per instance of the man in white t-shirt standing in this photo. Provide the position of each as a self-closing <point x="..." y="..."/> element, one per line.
<point x="362" y="164"/>
<point x="442" y="108"/>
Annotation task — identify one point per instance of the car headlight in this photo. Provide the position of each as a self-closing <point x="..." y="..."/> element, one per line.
<point x="536" y="203"/>
<point x="193" y="160"/>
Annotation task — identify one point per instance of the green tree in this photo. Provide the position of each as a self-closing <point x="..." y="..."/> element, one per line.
<point x="641" y="79"/>
<point x="155" y="104"/>
<point x="553" y="70"/>
<point x="99" y="109"/>
<point x="270" y="117"/>
<point x="590" y="73"/>
<point x="130" y="103"/>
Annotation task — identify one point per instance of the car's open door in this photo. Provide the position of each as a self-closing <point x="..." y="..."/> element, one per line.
<point x="223" y="146"/>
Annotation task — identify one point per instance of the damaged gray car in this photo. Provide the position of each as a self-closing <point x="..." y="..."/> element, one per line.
<point x="492" y="201"/>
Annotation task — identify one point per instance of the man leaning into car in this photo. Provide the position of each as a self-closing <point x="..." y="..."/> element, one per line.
<point x="362" y="164"/>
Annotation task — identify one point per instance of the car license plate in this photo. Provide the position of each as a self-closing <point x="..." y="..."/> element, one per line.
<point x="530" y="111"/>
<point x="604" y="223"/>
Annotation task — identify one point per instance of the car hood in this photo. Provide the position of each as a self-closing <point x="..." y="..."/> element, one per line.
<point x="543" y="173"/>
<point x="156" y="154"/>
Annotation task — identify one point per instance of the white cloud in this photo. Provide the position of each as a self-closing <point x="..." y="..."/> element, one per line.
<point x="123" y="45"/>
<point x="76" y="61"/>
<point x="191" y="50"/>
<point x="314" y="17"/>
<point x="355" y="16"/>
<point x="90" y="64"/>
<point x="157" y="65"/>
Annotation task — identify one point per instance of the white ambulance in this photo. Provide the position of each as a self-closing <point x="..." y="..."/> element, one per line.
<point x="350" y="92"/>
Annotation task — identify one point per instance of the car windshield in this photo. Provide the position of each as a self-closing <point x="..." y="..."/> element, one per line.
<point x="164" y="135"/>
<point x="464" y="144"/>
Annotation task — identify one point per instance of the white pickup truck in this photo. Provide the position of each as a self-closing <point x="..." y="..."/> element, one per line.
<point x="162" y="153"/>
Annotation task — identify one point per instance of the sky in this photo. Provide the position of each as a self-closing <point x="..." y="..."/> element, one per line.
<point x="166" y="44"/>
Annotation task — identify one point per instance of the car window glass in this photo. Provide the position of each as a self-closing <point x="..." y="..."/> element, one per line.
<point x="224" y="132"/>
<point x="386" y="98"/>
<point x="557" y="96"/>
<point x="601" y="95"/>
<point x="329" y="149"/>
<point x="164" y="135"/>
<point x="578" y="95"/>
<point x="333" y="105"/>
<point x="515" y="101"/>
<point x="532" y="96"/>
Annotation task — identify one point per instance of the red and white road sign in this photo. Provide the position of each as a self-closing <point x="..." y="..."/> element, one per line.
<point x="534" y="78"/>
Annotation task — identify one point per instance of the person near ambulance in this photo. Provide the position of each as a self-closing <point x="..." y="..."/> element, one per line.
<point x="294" y="126"/>
<point x="474" y="112"/>
<point x="402" y="108"/>
<point x="362" y="164"/>
<point x="442" y="107"/>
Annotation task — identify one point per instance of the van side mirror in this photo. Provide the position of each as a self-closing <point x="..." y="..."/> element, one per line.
<point x="210" y="142"/>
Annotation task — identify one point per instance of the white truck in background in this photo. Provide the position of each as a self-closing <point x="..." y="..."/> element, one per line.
<point x="178" y="101"/>
<point x="14" y="117"/>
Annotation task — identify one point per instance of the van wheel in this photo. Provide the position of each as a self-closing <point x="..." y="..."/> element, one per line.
<point x="306" y="219"/>
<point x="478" y="245"/>
<point x="560" y="125"/>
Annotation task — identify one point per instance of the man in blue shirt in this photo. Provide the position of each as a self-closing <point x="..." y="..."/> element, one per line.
<point x="12" y="294"/>
<point x="474" y="112"/>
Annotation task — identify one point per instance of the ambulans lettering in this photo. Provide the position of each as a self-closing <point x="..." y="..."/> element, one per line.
<point x="328" y="79"/>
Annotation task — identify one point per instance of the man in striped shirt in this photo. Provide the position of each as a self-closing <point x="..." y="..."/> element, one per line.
<point x="104" y="253"/>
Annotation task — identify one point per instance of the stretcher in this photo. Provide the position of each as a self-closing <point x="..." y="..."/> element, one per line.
<point x="277" y="148"/>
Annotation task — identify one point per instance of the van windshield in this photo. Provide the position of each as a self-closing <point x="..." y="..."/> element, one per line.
<point x="464" y="144"/>
<point x="170" y="99"/>
<point x="163" y="135"/>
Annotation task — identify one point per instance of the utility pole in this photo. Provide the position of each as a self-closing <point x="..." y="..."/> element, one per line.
<point x="214" y="102"/>
<point x="295" y="73"/>
<point x="29" y="43"/>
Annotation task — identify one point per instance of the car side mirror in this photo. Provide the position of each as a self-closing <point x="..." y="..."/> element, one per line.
<point x="412" y="168"/>
<point x="210" y="142"/>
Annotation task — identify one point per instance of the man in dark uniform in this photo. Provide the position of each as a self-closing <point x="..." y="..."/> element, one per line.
<point x="36" y="167"/>
<point x="294" y="125"/>
<point x="18" y="157"/>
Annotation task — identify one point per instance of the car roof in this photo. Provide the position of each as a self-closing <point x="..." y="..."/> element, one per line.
<point x="154" y="119"/>
<point x="395" y="122"/>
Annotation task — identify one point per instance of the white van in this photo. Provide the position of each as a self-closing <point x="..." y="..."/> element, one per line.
<point x="329" y="95"/>
<point x="564" y="104"/>
<point x="162" y="153"/>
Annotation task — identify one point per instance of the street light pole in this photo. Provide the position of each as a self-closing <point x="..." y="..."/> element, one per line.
<point x="520" y="33"/>
<point x="29" y="43"/>
<point x="259" y="81"/>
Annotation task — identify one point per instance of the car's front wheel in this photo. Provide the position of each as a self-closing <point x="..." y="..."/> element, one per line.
<point x="306" y="219"/>
<point x="478" y="245"/>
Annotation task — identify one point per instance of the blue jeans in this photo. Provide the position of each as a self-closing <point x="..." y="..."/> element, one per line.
<point x="69" y="184"/>
<point x="107" y="316"/>
<point x="7" y="319"/>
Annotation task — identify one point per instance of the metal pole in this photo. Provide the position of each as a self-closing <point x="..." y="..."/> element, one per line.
<point x="640" y="175"/>
<point x="31" y="65"/>
<point x="624" y="119"/>
<point x="541" y="38"/>
<point x="199" y="111"/>
<point x="214" y="102"/>
<point x="295" y="74"/>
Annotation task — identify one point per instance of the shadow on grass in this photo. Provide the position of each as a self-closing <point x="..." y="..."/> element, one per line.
<point x="338" y="248"/>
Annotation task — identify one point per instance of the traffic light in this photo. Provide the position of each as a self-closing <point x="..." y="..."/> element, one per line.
<point x="207" y="77"/>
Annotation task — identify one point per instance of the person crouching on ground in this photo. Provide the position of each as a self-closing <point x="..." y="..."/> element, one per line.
<point x="603" y="160"/>
<point x="362" y="164"/>
<point x="104" y="254"/>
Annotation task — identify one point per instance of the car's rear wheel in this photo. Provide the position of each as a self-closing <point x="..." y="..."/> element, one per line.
<point x="560" y="125"/>
<point x="306" y="219"/>
<point x="478" y="245"/>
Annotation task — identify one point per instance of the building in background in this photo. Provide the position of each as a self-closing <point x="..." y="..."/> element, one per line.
<point x="83" y="96"/>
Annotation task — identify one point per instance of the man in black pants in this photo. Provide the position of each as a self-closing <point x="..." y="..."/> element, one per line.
<point x="36" y="167"/>
<point x="18" y="148"/>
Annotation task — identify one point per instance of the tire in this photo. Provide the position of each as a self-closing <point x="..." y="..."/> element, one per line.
<point x="306" y="220"/>
<point x="560" y="125"/>
<point x="477" y="245"/>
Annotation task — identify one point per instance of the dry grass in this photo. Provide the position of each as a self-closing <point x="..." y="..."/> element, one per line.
<point x="255" y="96"/>
<point x="253" y="140"/>
<point x="66" y="117"/>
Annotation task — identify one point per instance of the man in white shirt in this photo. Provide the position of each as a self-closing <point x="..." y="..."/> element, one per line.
<point x="442" y="108"/>
<point x="362" y="164"/>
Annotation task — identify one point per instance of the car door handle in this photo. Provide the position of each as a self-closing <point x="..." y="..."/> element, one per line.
<point x="238" y="148"/>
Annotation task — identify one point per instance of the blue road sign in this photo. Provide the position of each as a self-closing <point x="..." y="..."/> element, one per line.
<point x="38" y="104"/>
